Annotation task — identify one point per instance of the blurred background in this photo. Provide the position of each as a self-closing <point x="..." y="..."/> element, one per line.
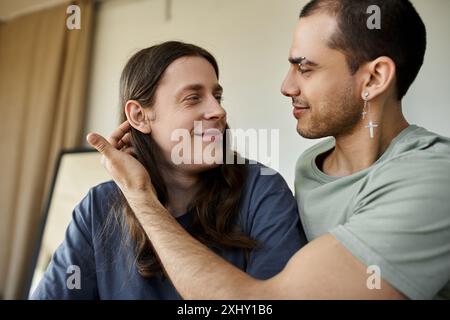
<point x="59" y="81"/>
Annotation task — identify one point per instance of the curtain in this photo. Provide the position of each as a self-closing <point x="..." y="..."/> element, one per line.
<point x="43" y="75"/>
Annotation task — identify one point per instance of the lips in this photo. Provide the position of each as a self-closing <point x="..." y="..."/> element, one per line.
<point x="299" y="110"/>
<point x="299" y="106"/>
<point x="211" y="135"/>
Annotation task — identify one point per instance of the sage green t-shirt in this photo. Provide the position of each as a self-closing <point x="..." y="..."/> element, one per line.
<point x="394" y="214"/>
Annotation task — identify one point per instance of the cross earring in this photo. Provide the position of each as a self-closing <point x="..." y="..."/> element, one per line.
<point x="366" y="111"/>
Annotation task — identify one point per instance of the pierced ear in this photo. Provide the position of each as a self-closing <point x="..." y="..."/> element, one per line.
<point x="137" y="116"/>
<point x="382" y="76"/>
<point x="365" y="95"/>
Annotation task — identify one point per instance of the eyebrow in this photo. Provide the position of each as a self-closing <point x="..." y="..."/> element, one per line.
<point x="197" y="87"/>
<point x="303" y="61"/>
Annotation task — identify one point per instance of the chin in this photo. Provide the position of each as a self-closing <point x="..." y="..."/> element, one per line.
<point x="309" y="134"/>
<point x="303" y="132"/>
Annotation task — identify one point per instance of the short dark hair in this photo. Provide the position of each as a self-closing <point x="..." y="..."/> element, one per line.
<point x="402" y="36"/>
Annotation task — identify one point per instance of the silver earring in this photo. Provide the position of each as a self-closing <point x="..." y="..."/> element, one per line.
<point x="366" y="111"/>
<point x="366" y="95"/>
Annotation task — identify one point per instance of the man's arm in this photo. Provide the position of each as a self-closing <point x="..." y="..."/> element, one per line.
<point x="323" y="269"/>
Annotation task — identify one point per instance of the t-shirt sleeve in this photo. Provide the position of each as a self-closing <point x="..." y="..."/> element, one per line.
<point x="402" y="225"/>
<point x="273" y="221"/>
<point x="71" y="273"/>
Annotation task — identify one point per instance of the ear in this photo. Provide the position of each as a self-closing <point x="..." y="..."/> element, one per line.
<point x="379" y="78"/>
<point x="137" y="116"/>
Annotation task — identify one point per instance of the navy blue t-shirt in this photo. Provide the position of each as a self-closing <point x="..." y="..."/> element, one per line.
<point x="106" y="263"/>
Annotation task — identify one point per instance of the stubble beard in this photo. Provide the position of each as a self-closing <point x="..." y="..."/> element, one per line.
<point x="336" y="116"/>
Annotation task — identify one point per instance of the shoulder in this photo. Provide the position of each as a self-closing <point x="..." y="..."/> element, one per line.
<point x="105" y="191"/>
<point x="415" y="181"/>
<point x="268" y="204"/>
<point x="418" y="142"/>
<point x="94" y="208"/>
<point x="419" y="156"/>
<point x="266" y="193"/>
<point x="261" y="179"/>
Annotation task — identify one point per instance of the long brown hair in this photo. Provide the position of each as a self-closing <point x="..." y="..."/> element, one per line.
<point x="216" y="205"/>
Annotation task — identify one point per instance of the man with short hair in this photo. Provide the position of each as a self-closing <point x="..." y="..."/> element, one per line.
<point x="373" y="199"/>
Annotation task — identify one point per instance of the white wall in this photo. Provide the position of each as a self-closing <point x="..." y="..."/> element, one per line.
<point x="250" y="39"/>
<point x="428" y="100"/>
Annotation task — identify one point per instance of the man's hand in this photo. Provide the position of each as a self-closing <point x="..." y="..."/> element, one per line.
<point x="128" y="173"/>
<point x="121" y="139"/>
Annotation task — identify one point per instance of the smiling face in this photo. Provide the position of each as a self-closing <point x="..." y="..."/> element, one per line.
<point x="188" y="92"/>
<point x="325" y="96"/>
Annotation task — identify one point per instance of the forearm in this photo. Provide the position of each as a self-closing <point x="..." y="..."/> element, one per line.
<point x="195" y="271"/>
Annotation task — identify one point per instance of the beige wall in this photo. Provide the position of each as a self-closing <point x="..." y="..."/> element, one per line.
<point x="250" y="39"/>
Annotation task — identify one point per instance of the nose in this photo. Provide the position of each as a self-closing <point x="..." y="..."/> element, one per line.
<point x="214" y="110"/>
<point x="290" y="86"/>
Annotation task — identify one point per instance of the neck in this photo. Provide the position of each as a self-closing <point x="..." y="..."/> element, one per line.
<point x="356" y="151"/>
<point x="181" y="188"/>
